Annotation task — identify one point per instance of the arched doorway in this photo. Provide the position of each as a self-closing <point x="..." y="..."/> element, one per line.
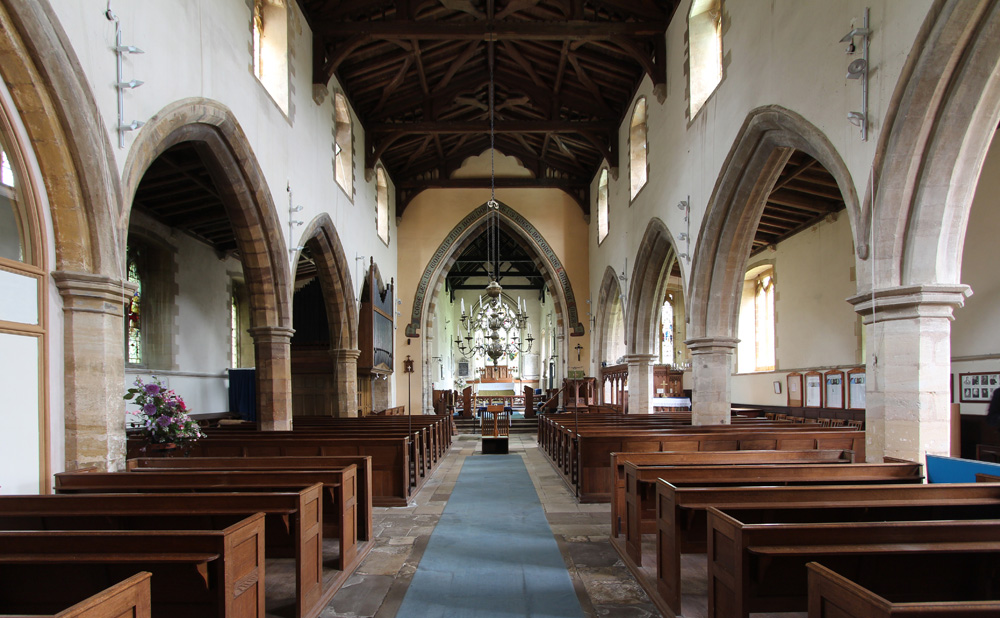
<point x="197" y="143"/>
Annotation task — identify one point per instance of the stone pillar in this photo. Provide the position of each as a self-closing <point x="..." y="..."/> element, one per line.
<point x="908" y="381"/>
<point x="272" y="355"/>
<point x="94" y="368"/>
<point x="640" y="383"/>
<point x="712" y="373"/>
<point x="345" y="363"/>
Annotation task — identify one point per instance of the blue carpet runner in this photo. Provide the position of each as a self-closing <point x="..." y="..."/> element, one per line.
<point x="492" y="553"/>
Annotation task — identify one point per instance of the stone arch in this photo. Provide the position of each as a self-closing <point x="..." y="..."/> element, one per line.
<point x="656" y="254"/>
<point x="334" y="273"/>
<point x="610" y="292"/>
<point x="83" y="196"/>
<point x="230" y="160"/>
<point x="928" y="161"/>
<point x="767" y="138"/>
<point x="456" y="241"/>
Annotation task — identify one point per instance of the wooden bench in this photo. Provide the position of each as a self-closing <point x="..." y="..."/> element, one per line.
<point x="130" y="597"/>
<point x="363" y="464"/>
<point x="706" y="458"/>
<point x="681" y="518"/>
<point x="339" y="506"/>
<point x="832" y="595"/>
<point x="756" y="558"/>
<point x="391" y="484"/>
<point x="293" y="527"/>
<point x="195" y="573"/>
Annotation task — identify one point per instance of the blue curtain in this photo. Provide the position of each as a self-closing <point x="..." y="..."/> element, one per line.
<point x="243" y="394"/>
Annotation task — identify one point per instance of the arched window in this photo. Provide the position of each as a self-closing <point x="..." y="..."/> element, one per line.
<point x="755" y="351"/>
<point x="269" y="25"/>
<point x="343" y="147"/>
<point x="15" y="241"/>
<point x="508" y="332"/>
<point x="704" y="51"/>
<point x="134" y="308"/>
<point x="382" y="205"/>
<point x="602" y="206"/>
<point x="637" y="145"/>
<point x="667" y="331"/>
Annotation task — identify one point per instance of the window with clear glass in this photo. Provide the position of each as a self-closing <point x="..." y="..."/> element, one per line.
<point x="343" y="159"/>
<point x="269" y="27"/>
<point x="509" y="334"/>
<point x="15" y="243"/>
<point x="637" y="148"/>
<point x="602" y="206"/>
<point x="764" y="321"/>
<point x="382" y="205"/>
<point x="704" y="51"/>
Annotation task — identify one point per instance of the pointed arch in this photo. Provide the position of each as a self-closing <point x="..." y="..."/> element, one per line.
<point x="230" y="160"/>
<point x="654" y="260"/>
<point x="335" y="278"/>
<point x="767" y="139"/>
<point x="608" y="298"/>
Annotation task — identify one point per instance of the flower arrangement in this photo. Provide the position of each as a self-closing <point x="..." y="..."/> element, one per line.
<point x="166" y="416"/>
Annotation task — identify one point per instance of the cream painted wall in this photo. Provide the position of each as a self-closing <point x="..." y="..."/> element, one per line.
<point x="434" y="213"/>
<point x="816" y="329"/>
<point x="197" y="49"/>
<point x="975" y="335"/>
<point x="784" y="53"/>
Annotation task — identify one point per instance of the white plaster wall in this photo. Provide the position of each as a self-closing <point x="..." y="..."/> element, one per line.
<point x="202" y="49"/>
<point x="784" y="53"/>
<point x="975" y="336"/>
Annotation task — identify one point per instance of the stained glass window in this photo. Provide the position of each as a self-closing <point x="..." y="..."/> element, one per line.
<point x="234" y="330"/>
<point x="667" y="332"/>
<point x="133" y="311"/>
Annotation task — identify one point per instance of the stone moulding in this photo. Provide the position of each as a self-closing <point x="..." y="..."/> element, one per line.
<point x="514" y="218"/>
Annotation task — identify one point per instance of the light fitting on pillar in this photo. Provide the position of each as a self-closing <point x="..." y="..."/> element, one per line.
<point x="685" y="206"/>
<point x="120" y="84"/>
<point x="858" y="69"/>
<point x="493" y="330"/>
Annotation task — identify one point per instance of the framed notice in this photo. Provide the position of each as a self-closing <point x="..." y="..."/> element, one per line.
<point x="856" y="389"/>
<point x="814" y="389"/>
<point x="977" y="387"/>
<point x="794" y="390"/>
<point x="834" y="388"/>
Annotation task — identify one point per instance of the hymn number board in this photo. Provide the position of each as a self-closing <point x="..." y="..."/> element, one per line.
<point x="977" y="387"/>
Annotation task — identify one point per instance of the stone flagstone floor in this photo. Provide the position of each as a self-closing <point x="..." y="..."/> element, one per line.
<point x="603" y="584"/>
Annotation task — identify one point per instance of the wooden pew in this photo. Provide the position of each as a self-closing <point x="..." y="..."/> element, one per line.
<point x="340" y="492"/>
<point x="593" y="479"/>
<point x="195" y="573"/>
<point x="391" y="484"/>
<point x="293" y="524"/>
<point x="706" y="458"/>
<point x="832" y="595"/>
<point x="756" y="558"/>
<point x="130" y="597"/>
<point x="681" y="518"/>
<point x="363" y="464"/>
<point x="640" y="513"/>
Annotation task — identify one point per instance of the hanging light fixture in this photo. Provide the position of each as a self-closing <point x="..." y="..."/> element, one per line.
<point x="493" y="316"/>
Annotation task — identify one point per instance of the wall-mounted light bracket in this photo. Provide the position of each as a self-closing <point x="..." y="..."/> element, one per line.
<point x="859" y="69"/>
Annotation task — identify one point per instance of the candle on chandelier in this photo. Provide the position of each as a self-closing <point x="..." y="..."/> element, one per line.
<point x="463" y="306"/>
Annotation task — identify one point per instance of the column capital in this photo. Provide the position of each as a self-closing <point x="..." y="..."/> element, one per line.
<point x="640" y="358"/>
<point x="346" y="354"/>
<point x="92" y="293"/>
<point x="711" y="345"/>
<point x="932" y="300"/>
<point x="271" y="334"/>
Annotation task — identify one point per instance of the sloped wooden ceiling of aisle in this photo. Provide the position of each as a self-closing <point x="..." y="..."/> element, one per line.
<point x="417" y="73"/>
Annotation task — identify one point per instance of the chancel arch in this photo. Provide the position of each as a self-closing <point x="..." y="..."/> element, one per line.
<point x="237" y="220"/>
<point x="556" y="283"/>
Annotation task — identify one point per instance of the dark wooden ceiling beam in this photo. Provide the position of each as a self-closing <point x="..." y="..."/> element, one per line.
<point x="483" y="29"/>
<point x="459" y="62"/>
<point x="502" y="126"/>
<point x="796" y="201"/>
